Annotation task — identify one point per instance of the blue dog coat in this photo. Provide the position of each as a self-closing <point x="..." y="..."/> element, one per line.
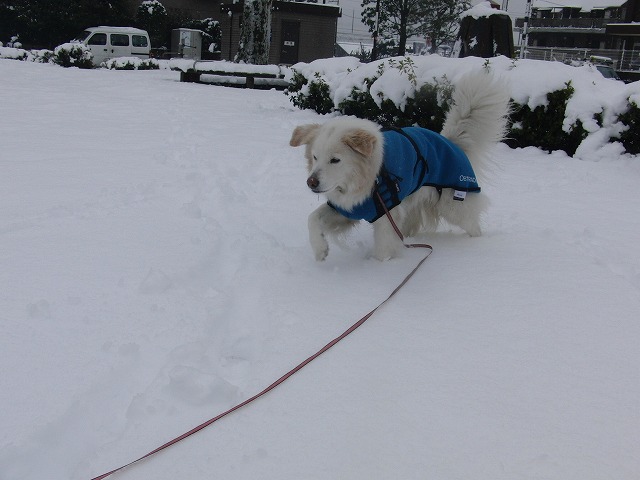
<point x="414" y="157"/>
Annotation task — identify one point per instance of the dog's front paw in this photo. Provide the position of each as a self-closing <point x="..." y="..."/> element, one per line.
<point x="386" y="248"/>
<point x="384" y="256"/>
<point x="320" y="247"/>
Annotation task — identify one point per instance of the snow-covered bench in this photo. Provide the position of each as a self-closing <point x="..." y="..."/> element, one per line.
<point x="232" y="74"/>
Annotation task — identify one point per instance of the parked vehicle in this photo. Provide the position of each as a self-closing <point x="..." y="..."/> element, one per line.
<point x="112" y="42"/>
<point x="607" y="71"/>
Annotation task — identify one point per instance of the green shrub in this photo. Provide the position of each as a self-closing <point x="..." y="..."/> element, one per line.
<point x="630" y="138"/>
<point x="149" y="64"/>
<point x="297" y="82"/>
<point x="131" y="63"/>
<point x="12" y="53"/>
<point x="211" y="33"/>
<point x="427" y="109"/>
<point x="431" y="103"/>
<point x="312" y="95"/>
<point x="361" y="104"/>
<point x="152" y="16"/>
<point x="543" y="126"/>
<point x="42" y="56"/>
<point x="73" y="55"/>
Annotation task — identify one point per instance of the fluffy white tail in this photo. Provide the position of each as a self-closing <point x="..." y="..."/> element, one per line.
<point x="478" y="117"/>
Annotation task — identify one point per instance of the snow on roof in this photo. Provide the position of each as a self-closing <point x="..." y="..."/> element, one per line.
<point x="116" y="29"/>
<point x="483" y="9"/>
<point x="586" y="5"/>
<point x="351" y="47"/>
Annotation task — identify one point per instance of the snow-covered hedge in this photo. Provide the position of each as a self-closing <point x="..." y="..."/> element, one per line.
<point x="39" y="56"/>
<point x="132" y="63"/>
<point x="555" y="106"/>
<point x="630" y="138"/>
<point x="77" y="55"/>
<point x="74" y="54"/>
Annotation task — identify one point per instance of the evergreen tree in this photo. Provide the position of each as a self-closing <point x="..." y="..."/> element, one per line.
<point x="441" y="21"/>
<point x="152" y="17"/>
<point x="48" y="23"/>
<point x="9" y="24"/>
<point x="255" y="33"/>
<point x="211" y="33"/>
<point x="403" y="19"/>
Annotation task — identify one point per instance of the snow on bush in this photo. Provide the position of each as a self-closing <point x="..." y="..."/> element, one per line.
<point x="38" y="56"/>
<point x="569" y="108"/>
<point x="630" y="137"/>
<point x="131" y="63"/>
<point x="13" y="53"/>
<point x="153" y="7"/>
<point x="211" y="33"/>
<point x="74" y="54"/>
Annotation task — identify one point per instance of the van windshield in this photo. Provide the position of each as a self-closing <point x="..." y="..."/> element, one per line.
<point x="81" y="37"/>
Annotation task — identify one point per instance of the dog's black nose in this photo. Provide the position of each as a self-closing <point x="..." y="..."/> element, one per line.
<point x="313" y="182"/>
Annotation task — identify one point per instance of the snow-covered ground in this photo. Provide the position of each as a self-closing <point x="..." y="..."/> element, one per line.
<point x="155" y="271"/>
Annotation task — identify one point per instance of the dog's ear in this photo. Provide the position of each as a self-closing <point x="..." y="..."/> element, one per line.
<point x="361" y="141"/>
<point x="304" y="134"/>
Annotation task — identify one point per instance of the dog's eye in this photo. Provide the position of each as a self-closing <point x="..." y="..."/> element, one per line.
<point x="315" y="159"/>
<point x="334" y="160"/>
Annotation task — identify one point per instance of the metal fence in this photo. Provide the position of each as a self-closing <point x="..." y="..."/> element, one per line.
<point x="623" y="60"/>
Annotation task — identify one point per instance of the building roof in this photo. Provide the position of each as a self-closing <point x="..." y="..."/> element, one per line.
<point x="585" y="5"/>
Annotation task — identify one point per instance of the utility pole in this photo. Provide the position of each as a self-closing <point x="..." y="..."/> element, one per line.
<point x="374" y="50"/>
<point x="525" y="29"/>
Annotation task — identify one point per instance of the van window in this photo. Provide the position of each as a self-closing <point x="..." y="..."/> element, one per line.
<point x="119" y="40"/>
<point x="98" y="39"/>
<point x="139" y="40"/>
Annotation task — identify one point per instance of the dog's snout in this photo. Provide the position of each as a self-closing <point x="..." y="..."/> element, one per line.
<point x="313" y="182"/>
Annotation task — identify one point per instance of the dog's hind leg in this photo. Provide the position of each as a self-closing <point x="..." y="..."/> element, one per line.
<point x="324" y="221"/>
<point x="465" y="214"/>
<point x="420" y="214"/>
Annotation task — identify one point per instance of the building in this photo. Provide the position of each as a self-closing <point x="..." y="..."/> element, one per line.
<point x="585" y="29"/>
<point x="300" y="31"/>
<point x="583" y="24"/>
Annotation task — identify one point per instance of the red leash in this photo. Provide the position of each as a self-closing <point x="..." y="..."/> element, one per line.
<point x="295" y="369"/>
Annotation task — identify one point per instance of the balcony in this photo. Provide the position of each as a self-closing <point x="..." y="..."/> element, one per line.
<point x="548" y="24"/>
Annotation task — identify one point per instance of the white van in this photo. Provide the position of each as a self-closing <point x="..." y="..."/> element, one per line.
<point x="112" y="42"/>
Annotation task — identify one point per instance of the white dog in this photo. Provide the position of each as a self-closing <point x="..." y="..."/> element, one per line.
<point x="419" y="175"/>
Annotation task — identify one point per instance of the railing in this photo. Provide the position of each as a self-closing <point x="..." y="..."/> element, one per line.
<point x="625" y="60"/>
<point x="595" y="23"/>
<point x="569" y="22"/>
